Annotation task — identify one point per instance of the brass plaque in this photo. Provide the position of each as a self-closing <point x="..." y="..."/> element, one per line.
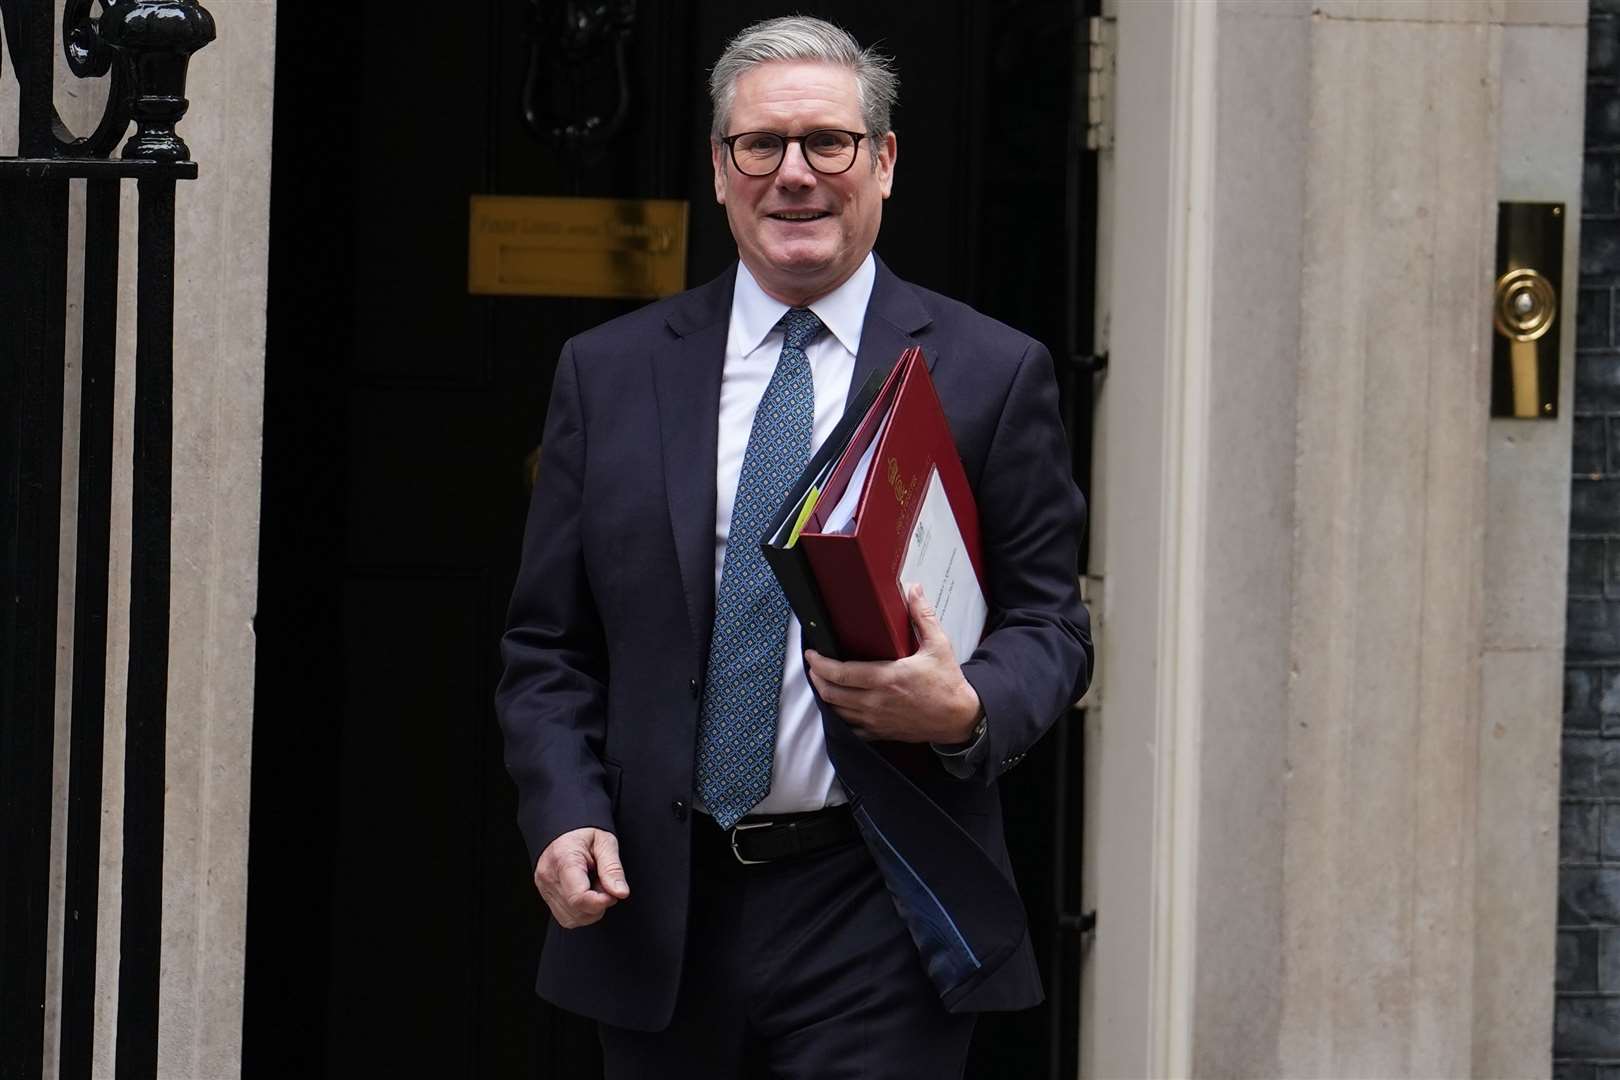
<point x="632" y="249"/>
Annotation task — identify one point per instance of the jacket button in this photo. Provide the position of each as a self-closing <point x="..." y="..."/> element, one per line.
<point x="678" y="808"/>
<point x="693" y="688"/>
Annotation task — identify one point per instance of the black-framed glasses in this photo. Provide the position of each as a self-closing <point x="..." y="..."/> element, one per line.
<point x="829" y="151"/>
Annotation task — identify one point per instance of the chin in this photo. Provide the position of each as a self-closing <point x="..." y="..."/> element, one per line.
<point x="800" y="258"/>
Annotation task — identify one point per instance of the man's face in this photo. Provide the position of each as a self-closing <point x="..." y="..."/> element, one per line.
<point x="802" y="233"/>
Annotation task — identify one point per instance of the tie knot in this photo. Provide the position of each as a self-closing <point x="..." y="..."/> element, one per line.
<point x="799" y="328"/>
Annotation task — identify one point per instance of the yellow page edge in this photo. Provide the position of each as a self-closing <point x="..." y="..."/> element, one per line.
<point x="804" y="514"/>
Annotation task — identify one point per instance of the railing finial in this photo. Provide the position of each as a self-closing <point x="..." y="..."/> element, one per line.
<point x="158" y="38"/>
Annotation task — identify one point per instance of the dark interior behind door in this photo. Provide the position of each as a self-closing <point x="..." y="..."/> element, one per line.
<point x="392" y="926"/>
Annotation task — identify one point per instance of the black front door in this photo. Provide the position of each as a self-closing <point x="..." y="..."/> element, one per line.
<point x="392" y="927"/>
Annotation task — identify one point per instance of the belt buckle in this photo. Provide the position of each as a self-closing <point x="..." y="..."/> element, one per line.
<point x="739" y="827"/>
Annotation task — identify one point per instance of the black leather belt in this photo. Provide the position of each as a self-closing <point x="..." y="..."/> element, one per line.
<point x="757" y="840"/>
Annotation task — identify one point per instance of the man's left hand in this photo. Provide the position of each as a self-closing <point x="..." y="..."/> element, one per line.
<point x="921" y="698"/>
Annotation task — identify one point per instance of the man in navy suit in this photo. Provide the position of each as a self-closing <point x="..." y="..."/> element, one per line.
<point x="762" y="861"/>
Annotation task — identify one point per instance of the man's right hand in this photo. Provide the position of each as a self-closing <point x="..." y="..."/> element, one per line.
<point x="564" y="877"/>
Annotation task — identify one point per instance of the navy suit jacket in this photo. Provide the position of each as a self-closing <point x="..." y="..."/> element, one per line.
<point x="609" y="625"/>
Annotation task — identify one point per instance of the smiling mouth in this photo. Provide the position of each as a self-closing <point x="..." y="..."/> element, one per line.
<point x="799" y="215"/>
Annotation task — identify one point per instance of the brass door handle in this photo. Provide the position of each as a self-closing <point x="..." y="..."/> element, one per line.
<point x="1524" y="310"/>
<point x="1526" y="305"/>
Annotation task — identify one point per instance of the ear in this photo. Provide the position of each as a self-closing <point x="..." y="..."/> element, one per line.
<point x="888" y="148"/>
<point x="718" y="156"/>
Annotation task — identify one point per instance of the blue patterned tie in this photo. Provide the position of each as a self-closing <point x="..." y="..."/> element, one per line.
<point x="741" y="696"/>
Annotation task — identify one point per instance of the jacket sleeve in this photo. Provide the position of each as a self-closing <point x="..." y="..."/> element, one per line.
<point x="1036" y="659"/>
<point x="551" y="699"/>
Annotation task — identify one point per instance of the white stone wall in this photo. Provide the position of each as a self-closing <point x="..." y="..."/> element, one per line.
<point x="1542" y="95"/>
<point x="1327" y="753"/>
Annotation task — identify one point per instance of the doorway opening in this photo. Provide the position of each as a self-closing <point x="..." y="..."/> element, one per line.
<point x="391" y="922"/>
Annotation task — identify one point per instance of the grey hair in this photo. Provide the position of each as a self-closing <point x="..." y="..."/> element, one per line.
<point x="800" y="37"/>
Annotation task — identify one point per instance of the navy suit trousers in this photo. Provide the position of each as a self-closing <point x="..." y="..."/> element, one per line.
<point x="795" y="969"/>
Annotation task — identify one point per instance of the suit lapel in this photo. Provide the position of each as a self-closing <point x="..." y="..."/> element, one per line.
<point x="894" y="317"/>
<point x="686" y="373"/>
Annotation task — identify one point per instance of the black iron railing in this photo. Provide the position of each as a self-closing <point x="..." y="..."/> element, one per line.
<point x="142" y="48"/>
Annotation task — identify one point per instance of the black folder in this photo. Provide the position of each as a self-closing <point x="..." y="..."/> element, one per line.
<point x="789" y="563"/>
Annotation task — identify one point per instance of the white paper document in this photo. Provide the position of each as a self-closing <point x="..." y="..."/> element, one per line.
<point x="842" y="517"/>
<point x="937" y="559"/>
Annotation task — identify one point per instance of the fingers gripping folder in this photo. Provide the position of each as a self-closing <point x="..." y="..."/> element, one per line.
<point x="837" y="546"/>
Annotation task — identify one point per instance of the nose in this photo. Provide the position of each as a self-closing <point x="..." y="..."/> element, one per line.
<point x="795" y="171"/>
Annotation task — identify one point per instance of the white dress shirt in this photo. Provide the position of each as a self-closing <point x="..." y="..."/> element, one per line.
<point x="802" y="777"/>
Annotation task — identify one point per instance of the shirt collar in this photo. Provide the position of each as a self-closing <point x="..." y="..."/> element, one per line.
<point x="842" y="311"/>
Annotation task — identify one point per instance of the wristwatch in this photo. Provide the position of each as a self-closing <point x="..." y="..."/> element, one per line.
<point x="978" y="730"/>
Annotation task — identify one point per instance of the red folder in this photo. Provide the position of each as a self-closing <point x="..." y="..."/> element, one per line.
<point x="857" y="571"/>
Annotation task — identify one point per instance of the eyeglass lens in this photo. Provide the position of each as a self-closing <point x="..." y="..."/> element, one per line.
<point x="759" y="153"/>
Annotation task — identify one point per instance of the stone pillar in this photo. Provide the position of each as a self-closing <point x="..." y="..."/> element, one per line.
<point x="1332" y="633"/>
<point x="1542" y="96"/>
<point x="221" y="276"/>
<point x="1388" y="565"/>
